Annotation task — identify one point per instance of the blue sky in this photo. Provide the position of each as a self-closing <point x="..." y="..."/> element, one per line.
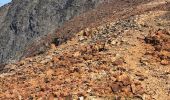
<point x="2" y="2"/>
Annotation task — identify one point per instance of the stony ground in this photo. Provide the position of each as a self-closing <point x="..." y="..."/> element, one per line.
<point x="126" y="59"/>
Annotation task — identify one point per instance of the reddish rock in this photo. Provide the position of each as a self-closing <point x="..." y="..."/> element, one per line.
<point x="165" y="62"/>
<point x="76" y="54"/>
<point x="55" y="59"/>
<point x="127" y="90"/>
<point x="137" y="89"/>
<point x="124" y="79"/>
<point x="115" y="87"/>
<point x="53" y="47"/>
<point x="118" y="62"/>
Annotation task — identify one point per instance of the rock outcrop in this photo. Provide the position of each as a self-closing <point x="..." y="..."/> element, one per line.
<point x="24" y="21"/>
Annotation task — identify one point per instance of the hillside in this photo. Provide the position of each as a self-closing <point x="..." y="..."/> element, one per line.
<point x="27" y="21"/>
<point x="117" y="51"/>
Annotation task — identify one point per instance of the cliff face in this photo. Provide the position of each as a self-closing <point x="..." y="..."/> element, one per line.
<point x="24" y="21"/>
<point x="3" y="12"/>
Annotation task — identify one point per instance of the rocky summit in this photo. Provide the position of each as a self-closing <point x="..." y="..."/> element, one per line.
<point x="85" y="50"/>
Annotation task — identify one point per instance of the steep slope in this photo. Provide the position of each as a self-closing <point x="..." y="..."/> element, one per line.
<point x="123" y="59"/>
<point x="27" y="20"/>
<point x="3" y="12"/>
<point x="28" y="23"/>
<point x="104" y="13"/>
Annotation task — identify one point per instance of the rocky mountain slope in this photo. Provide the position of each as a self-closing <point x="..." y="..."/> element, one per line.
<point x="27" y="24"/>
<point x="23" y="21"/>
<point x="116" y="56"/>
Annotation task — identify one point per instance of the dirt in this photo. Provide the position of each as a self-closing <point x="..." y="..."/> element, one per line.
<point x="122" y="59"/>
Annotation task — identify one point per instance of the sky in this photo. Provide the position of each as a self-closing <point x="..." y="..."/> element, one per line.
<point x="2" y="2"/>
